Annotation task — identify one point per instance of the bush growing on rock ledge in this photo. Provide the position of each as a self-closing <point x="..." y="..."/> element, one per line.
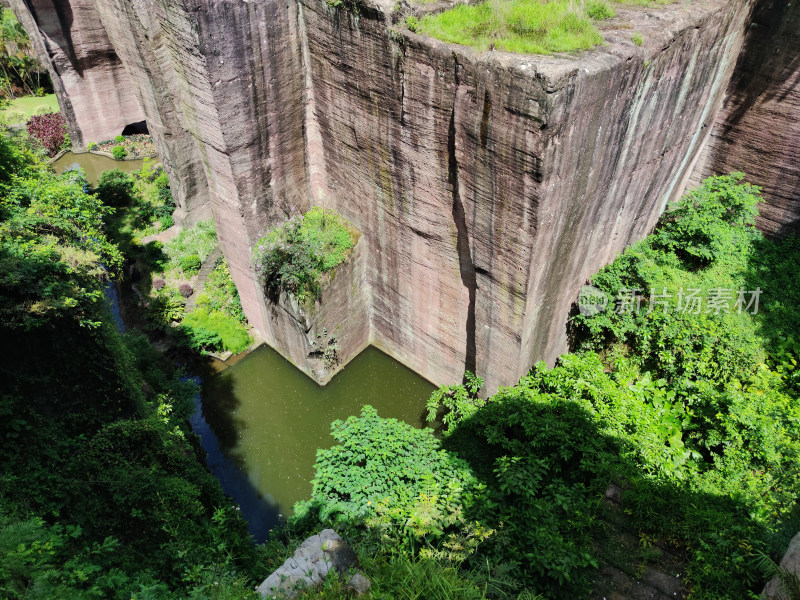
<point x="294" y="255"/>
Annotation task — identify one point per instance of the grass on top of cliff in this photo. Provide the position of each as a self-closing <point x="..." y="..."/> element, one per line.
<point x="523" y="26"/>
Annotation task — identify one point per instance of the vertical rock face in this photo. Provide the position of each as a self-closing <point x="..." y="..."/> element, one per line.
<point x="221" y="82"/>
<point x="490" y="186"/>
<point x="93" y="87"/>
<point x="758" y="129"/>
<point x="339" y="320"/>
<point x="487" y="186"/>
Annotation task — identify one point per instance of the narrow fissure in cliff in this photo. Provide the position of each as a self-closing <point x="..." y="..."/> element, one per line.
<point x="466" y="266"/>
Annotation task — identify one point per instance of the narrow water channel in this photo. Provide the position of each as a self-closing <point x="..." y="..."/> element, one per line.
<point x="268" y="420"/>
<point x="94" y="164"/>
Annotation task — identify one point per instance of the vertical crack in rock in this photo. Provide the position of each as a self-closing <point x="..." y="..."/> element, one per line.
<point x="466" y="266"/>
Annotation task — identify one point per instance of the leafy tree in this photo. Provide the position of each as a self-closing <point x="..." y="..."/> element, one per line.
<point x="115" y="188"/>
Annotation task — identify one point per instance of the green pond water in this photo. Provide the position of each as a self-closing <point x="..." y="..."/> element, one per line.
<point x="94" y="165"/>
<point x="268" y="419"/>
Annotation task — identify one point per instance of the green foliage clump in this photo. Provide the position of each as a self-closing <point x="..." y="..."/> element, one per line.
<point x="190" y="264"/>
<point x="119" y="139"/>
<point x="637" y="39"/>
<point x="115" y="188"/>
<point x="91" y="146"/>
<point x="701" y="227"/>
<point x="457" y="401"/>
<point x="54" y="255"/>
<point x="600" y="10"/>
<point x="167" y="307"/>
<point x="198" y="240"/>
<point x="523" y="26"/>
<point x="215" y="331"/>
<point x="119" y="152"/>
<point x="220" y="293"/>
<point x="391" y="479"/>
<point x="294" y="255"/>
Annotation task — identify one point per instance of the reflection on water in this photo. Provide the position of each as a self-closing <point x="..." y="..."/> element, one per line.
<point x="269" y="419"/>
<point x="94" y="165"/>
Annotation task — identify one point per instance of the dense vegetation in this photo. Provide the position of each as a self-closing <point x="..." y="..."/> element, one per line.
<point x="296" y="254"/>
<point x="20" y="72"/>
<point x="164" y="272"/>
<point x="103" y="492"/>
<point x="680" y="389"/>
<point x="690" y="408"/>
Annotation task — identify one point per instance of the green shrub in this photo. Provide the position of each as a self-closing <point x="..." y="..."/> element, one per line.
<point x="215" y="331"/>
<point x="91" y="146"/>
<point x="119" y="139"/>
<point x="391" y="479"/>
<point x="191" y="264"/>
<point x="600" y="10"/>
<point x="115" y="188"/>
<point x="700" y="227"/>
<point x="293" y="255"/>
<point x="637" y="39"/>
<point x="119" y="153"/>
<point x="167" y="307"/>
<point x="221" y="294"/>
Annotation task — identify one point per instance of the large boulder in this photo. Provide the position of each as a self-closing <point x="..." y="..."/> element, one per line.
<point x="310" y="565"/>
<point x="791" y="562"/>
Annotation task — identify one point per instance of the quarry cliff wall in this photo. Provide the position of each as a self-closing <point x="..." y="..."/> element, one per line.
<point x="758" y="128"/>
<point x="487" y="186"/>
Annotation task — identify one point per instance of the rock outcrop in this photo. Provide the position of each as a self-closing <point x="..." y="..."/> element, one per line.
<point x="758" y="129"/>
<point x="775" y="589"/>
<point x="488" y="186"/>
<point x="310" y="565"/>
<point x="94" y="90"/>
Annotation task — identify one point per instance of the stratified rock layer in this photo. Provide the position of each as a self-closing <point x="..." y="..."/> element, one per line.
<point x="758" y="129"/>
<point x="490" y="186"/>
<point x="93" y="88"/>
<point x="487" y="186"/>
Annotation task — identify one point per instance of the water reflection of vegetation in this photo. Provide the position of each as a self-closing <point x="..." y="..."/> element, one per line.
<point x="271" y="417"/>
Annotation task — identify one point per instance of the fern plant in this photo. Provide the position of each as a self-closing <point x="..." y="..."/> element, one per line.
<point x="790" y="582"/>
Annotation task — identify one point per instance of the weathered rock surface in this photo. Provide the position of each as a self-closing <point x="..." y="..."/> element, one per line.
<point x="774" y="590"/>
<point x="340" y="317"/>
<point x="487" y="186"/>
<point x="310" y="565"/>
<point x="758" y="129"/>
<point x="94" y="90"/>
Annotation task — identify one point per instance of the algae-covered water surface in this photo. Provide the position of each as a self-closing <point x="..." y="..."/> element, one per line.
<point x="269" y="419"/>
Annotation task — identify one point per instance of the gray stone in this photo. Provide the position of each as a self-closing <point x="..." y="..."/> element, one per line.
<point x="309" y="566"/>
<point x="774" y="590"/>
<point x="359" y="584"/>
<point x="614" y="493"/>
